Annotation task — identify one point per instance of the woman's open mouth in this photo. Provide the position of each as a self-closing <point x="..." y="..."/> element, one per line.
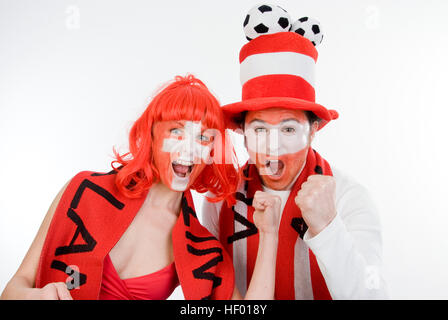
<point x="182" y="168"/>
<point x="275" y="167"/>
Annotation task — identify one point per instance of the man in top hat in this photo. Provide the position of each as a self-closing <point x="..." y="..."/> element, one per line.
<point x="329" y="237"/>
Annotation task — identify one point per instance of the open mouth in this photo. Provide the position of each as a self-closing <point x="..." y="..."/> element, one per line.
<point x="182" y="168"/>
<point x="275" y="167"/>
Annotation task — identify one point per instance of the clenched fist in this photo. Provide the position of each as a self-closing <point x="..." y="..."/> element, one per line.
<point x="267" y="212"/>
<point x="316" y="200"/>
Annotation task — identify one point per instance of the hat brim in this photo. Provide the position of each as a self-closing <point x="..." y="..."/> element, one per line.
<point x="233" y="110"/>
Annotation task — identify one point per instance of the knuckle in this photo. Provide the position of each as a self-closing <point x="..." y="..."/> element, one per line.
<point x="52" y="285"/>
<point x="258" y="193"/>
<point x="274" y="197"/>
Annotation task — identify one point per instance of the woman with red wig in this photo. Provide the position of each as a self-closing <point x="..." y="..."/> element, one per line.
<point x="133" y="233"/>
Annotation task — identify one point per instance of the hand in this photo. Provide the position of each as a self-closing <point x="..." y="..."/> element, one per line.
<point x="316" y="200"/>
<point x="267" y="212"/>
<point x="52" y="291"/>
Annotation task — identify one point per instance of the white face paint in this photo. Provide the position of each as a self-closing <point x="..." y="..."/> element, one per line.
<point x="187" y="143"/>
<point x="273" y="140"/>
<point x="185" y="148"/>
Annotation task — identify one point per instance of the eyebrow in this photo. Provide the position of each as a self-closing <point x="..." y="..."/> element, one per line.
<point x="291" y="119"/>
<point x="283" y="121"/>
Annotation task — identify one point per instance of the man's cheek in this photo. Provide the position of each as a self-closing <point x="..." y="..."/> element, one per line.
<point x="294" y="144"/>
<point x="295" y="161"/>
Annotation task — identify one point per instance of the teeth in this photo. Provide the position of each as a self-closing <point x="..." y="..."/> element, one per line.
<point x="272" y="162"/>
<point x="183" y="162"/>
<point x="274" y="166"/>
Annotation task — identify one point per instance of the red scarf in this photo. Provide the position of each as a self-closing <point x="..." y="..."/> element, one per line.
<point x="292" y="226"/>
<point x="91" y="217"/>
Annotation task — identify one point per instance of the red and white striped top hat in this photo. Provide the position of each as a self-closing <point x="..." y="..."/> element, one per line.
<point x="277" y="70"/>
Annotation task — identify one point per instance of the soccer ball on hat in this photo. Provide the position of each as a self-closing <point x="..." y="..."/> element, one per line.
<point x="309" y="28"/>
<point x="266" y="19"/>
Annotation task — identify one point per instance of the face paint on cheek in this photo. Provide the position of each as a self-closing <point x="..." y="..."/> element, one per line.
<point x="278" y="159"/>
<point x="188" y="148"/>
<point x="162" y="161"/>
<point x="277" y="140"/>
<point x="292" y="165"/>
<point x="182" y="157"/>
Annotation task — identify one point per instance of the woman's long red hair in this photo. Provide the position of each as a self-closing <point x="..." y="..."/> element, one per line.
<point x="186" y="98"/>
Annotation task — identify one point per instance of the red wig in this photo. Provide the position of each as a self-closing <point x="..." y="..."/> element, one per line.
<point x="185" y="98"/>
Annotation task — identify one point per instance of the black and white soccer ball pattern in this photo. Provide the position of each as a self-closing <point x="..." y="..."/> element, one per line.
<point x="266" y="19"/>
<point x="309" y="28"/>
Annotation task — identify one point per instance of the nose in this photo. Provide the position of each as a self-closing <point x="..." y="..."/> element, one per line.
<point x="273" y="142"/>
<point x="187" y="148"/>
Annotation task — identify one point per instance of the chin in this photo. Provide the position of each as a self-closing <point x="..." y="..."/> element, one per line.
<point x="178" y="189"/>
<point x="276" y="185"/>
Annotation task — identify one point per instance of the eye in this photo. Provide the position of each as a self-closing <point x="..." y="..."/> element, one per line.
<point x="176" y="131"/>
<point x="203" y="138"/>
<point x="260" y="129"/>
<point x="289" y="130"/>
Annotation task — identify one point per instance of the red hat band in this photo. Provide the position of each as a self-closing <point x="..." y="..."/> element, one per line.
<point x="278" y="65"/>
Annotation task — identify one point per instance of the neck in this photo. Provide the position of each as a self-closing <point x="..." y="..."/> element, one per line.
<point x="160" y="195"/>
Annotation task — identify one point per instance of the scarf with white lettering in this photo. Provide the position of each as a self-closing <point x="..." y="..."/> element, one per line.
<point x="239" y="235"/>
<point x="91" y="217"/>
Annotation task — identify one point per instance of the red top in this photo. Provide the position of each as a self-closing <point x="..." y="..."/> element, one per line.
<point x="154" y="286"/>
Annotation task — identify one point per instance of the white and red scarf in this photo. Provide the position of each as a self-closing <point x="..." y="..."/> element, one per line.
<point x="239" y="234"/>
<point x="91" y="217"/>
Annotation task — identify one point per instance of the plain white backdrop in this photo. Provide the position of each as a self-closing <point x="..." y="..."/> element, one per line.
<point x="75" y="74"/>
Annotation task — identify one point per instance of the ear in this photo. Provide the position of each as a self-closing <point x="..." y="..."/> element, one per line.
<point x="313" y="130"/>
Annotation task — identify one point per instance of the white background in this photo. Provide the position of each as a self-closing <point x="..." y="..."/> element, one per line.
<point x="74" y="75"/>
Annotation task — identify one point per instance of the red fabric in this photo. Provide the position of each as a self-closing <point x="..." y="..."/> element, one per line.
<point x="278" y="85"/>
<point x="206" y="267"/>
<point x="284" y="278"/>
<point x="91" y="217"/>
<point x="279" y="42"/>
<point x="320" y="292"/>
<point x="154" y="286"/>
<point x="102" y="223"/>
<point x="284" y="91"/>
<point x="252" y="241"/>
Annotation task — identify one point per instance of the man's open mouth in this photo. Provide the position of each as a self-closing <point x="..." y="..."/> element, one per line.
<point x="182" y="168"/>
<point x="275" y="167"/>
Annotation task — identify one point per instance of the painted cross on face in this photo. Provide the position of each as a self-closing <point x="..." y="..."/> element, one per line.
<point x="277" y="140"/>
<point x="181" y="151"/>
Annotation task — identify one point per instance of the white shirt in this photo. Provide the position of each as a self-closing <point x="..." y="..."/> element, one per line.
<point x="348" y="250"/>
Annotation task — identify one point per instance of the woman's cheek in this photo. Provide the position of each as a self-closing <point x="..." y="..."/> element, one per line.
<point x="163" y="164"/>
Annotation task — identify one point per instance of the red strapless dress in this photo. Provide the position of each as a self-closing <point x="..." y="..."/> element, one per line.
<point x="154" y="286"/>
